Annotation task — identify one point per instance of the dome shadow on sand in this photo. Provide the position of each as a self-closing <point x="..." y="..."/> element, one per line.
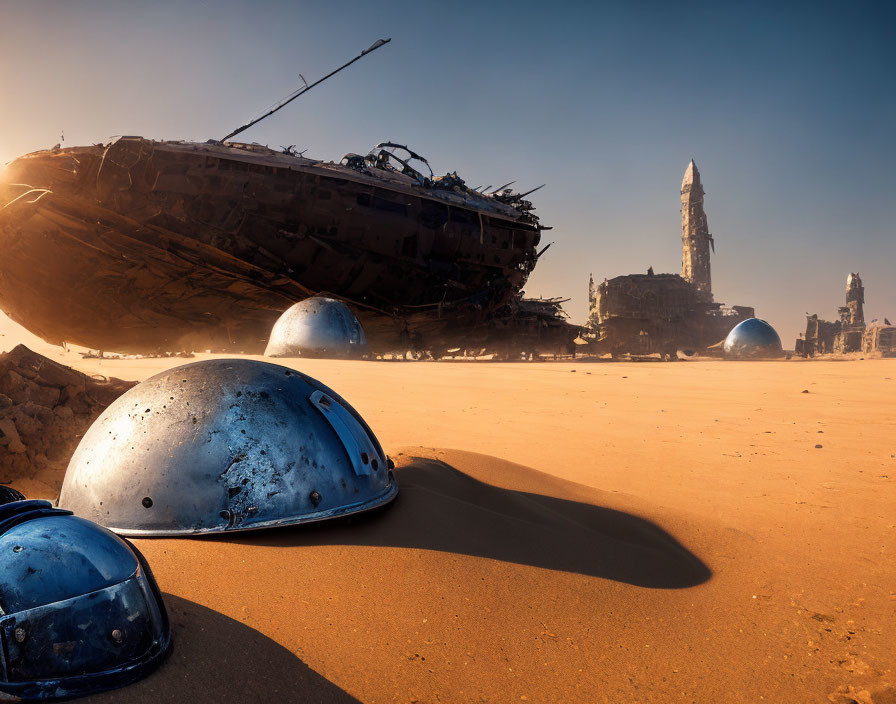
<point x="444" y="509"/>
<point x="218" y="659"/>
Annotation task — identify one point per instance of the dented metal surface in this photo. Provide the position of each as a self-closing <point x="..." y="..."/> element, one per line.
<point x="140" y="246"/>
<point x="359" y="447"/>
<point x="226" y="445"/>
<point x="79" y="610"/>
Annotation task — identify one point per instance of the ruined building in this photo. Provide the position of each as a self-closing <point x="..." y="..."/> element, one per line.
<point x="880" y="338"/>
<point x="648" y="313"/>
<point x="849" y="333"/>
<point x="820" y="336"/>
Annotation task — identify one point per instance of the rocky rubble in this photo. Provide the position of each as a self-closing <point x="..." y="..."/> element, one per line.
<point x="45" y="408"/>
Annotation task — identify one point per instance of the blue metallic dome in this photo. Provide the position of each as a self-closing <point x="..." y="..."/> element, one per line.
<point x="225" y="445"/>
<point x="79" y="609"/>
<point x="753" y="339"/>
<point x="317" y="327"/>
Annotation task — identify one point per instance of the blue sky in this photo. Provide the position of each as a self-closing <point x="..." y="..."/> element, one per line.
<point x="789" y="110"/>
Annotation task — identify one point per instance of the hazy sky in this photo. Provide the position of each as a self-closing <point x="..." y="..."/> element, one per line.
<point x="788" y="108"/>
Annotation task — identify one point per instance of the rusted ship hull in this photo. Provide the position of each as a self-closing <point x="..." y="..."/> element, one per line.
<point x="141" y="246"/>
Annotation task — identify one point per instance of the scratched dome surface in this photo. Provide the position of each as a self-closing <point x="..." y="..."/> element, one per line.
<point x="226" y="445"/>
<point x="81" y="612"/>
<point x="753" y="338"/>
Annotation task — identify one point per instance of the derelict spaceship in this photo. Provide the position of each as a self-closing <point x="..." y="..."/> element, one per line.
<point x="144" y="246"/>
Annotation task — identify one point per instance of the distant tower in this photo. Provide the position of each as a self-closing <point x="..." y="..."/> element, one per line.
<point x="852" y="317"/>
<point x="695" y="238"/>
<point x="855" y="299"/>
<point x="592" y="304"/>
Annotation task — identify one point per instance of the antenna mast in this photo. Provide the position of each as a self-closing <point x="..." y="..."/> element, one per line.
<point x="283" y="103"/>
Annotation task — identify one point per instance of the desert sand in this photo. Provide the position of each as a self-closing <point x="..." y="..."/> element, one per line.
<point x="565" y="532"/>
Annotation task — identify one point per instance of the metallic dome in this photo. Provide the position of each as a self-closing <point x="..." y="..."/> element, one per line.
<point x="317" y="327"/>
<point x="79" y="609"/>
<point x="751" y="339"/>
<point x="225" y="445"/>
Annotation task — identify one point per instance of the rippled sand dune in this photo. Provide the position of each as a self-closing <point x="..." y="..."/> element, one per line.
<point x="570" y="532"/>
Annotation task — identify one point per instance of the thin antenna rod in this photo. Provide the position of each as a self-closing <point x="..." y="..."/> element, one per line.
<point x="501" y="188"/>
<point x="373" y="47"/>
<point x="523" y="195"/>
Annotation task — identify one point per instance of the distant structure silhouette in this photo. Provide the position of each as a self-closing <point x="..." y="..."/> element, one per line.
<point x="696" y="240"/>
<point x="849" y="333"/>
